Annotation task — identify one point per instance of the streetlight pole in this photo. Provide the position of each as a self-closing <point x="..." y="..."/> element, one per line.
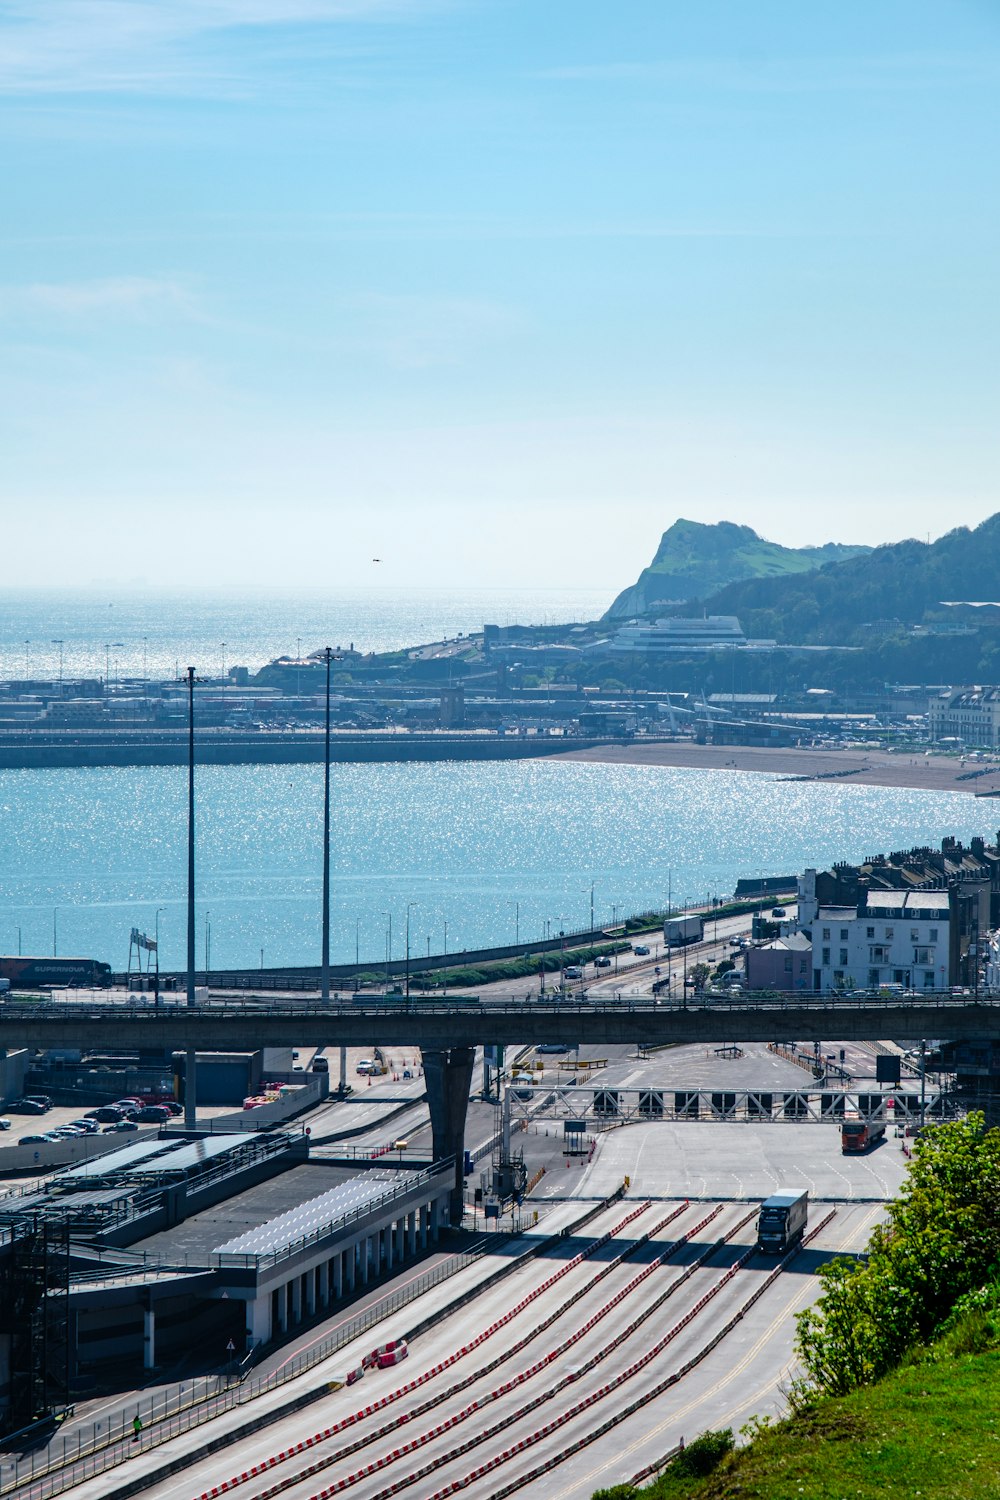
<point x="191" y="1056"/>
<point x="55" y="932"/>
<point x="156" y="939"/>
<point x="325" y="974"/>
<point x="591" y="908"/>
<point x="388" y="947"/>
<point x="409" y="904"/>
<point x="208" y="943"/>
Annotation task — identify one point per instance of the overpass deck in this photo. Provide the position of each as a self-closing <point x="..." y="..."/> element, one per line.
<point x="246" y="1022"/>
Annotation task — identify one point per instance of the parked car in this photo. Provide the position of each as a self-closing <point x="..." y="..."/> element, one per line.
<point x="66" y="1132"/>
<point x="106" y="1114"/>
<point x="91" y="1127"/>
<point x="27" y="1107"/>
<point x="42" y="1099"/>
<point x="153" y="1114"/>
<point x="4" y="1124"/>
<point x="121" y="1125"/>
<point x="172" y="1107"/>
<point x="38" y="1140"/>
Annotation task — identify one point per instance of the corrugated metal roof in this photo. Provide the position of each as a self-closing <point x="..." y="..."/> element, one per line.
<point x="193" y="1155"/>
<point x="314" y="1215"/>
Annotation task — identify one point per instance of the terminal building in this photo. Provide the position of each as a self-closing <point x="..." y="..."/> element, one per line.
<point x="106" y="1268"/>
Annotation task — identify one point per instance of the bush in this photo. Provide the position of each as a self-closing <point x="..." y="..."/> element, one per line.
<point x="704" y="1454"/>
<point x="942" y="1242"/>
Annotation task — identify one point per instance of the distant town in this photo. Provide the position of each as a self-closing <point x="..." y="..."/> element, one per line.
<point x="583" y="681"/>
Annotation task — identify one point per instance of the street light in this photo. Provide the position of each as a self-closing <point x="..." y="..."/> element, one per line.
<point x="156" y="940"/>
<point x="388" y="946"/>
<point x="517" y="921"/>
<point x="208" y="943"/>
<point x="409" y="904"/>
<point x="55" y="932"/>
<point x="191" y="1056"/>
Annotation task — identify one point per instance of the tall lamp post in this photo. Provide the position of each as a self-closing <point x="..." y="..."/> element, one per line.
<point x="409" y="905"/>
<point x="325" y="971"/>
<point x="156" y="940"/>
<point x="191" y="1056"/>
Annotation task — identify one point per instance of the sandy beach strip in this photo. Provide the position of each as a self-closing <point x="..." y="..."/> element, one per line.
<point x="857" y="766"/>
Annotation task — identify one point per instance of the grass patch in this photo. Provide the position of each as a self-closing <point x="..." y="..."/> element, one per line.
<point x="930" y="1431"/>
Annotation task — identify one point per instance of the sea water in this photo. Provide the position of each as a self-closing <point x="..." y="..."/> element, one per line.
<point x="461" y="854"/>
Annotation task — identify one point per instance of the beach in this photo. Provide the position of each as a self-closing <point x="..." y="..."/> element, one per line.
<point x="857" y="764"/>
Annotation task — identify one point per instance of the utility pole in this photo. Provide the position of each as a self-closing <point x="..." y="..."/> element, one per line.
<point x="191" y="1056"/>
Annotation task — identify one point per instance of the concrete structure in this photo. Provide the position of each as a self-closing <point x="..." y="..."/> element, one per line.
<point x="968" y="714"/>
<point x="679" y="635"/>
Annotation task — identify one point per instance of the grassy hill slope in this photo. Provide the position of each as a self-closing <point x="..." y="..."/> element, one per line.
<point x="694" y="560"/>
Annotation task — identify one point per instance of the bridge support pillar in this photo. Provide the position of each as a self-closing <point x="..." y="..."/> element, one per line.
<point x="449" y="1077"/>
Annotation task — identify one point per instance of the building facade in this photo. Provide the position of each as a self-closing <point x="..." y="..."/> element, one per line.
<point x="968" y="714"/>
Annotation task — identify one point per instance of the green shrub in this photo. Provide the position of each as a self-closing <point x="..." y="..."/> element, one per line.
<point x="941" y="1243"/>
<point x="704" y="1454"/>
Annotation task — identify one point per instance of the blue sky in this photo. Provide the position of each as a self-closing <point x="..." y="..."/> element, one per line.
<point x="493" y="290"/>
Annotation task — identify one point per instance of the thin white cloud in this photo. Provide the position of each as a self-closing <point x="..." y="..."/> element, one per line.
<point x="52" y="46"/>
<point x="792" y="75"/>
<point x="134" y="296"/>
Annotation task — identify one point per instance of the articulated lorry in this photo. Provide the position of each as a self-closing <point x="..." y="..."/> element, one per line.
<point x="782" y="1221"/>
<point x="680" y="930"/>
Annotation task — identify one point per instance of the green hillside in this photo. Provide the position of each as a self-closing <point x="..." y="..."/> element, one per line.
<point x="906" y="580"/>
<point x="694" y="560"/>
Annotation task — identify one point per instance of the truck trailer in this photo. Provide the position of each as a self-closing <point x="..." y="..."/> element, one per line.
<point x="782" y="1221"/>
<point x="677" y="931"/>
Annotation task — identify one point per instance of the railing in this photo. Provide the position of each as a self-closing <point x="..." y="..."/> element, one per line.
<point x="928" y="1002"/>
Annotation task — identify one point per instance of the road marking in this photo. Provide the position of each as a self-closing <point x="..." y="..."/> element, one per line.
<point x="798" y="1295"/>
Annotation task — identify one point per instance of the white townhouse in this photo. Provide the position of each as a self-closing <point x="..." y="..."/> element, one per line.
<point x="897" y="938"/>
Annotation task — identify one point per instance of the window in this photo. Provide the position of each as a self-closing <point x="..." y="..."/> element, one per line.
<point x="843" y="955"/>
<point x="933" y="934"/>
<point x="923" y="955"/>
<point x="870" y="932"/>
<point x="843" y="934"/>
<point x="899" y="976"/>
<point x="889" y="932"/>
<point x="914" y="934"/>
<point x="929" y="979"/>
<point x="826" y="958"/>
<point x="826" y="934"/>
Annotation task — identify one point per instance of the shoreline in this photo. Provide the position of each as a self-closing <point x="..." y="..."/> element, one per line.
<point x="850" y="767"/>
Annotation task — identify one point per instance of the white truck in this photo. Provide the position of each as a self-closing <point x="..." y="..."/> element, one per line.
<point x="677" y="931"/>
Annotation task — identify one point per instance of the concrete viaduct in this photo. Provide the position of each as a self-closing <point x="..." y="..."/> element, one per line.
<point x="447" y="1030"/>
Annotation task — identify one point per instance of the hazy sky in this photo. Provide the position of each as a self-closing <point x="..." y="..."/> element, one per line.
<point x="492" y="290"/>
